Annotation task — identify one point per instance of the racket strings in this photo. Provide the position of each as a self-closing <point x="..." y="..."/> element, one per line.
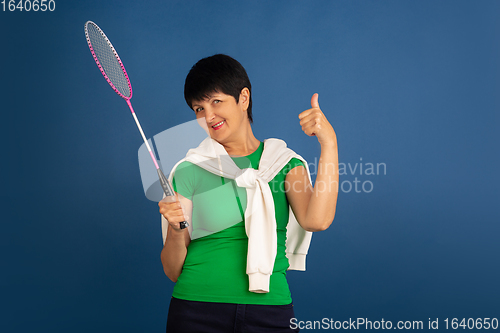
<point x="108" y="60"/>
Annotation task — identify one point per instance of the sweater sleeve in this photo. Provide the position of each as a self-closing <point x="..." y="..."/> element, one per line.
<point x="297" y="244"/>
<point x="297" y="239"/>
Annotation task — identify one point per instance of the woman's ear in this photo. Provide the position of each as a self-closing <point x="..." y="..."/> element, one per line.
<point x="244" y="98"/>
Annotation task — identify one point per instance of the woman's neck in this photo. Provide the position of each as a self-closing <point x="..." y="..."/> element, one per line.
<point x="243" y="145"/>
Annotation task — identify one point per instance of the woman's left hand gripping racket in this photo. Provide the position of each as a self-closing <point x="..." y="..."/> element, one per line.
<point x="114" y="72"/>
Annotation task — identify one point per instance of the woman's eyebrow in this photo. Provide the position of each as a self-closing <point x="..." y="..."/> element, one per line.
<point x="206" y="98"/>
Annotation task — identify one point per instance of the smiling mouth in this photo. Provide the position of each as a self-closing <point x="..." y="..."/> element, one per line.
<point x="218" y="125"/>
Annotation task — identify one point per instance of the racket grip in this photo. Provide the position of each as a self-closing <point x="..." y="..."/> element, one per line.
<point x="169" y="192"/>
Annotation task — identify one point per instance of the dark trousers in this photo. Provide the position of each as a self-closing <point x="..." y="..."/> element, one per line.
<point x="207" y="317"/>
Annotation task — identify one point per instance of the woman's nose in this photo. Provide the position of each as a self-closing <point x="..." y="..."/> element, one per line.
<point x="209" y="115"/>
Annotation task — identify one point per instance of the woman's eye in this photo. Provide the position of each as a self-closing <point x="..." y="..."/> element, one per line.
<point x="198" y="109"/>
<point x="216" y="101"/>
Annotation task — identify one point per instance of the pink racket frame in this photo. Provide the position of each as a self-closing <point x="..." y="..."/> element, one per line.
<point x="167" y="188"/>
<point x="99" y="64"/>
<point x="127" y="99"/>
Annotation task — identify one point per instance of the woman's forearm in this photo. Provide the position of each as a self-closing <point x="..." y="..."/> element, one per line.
<point x="174" y="253"/>
<point x="316" y="208"/>
<point x="323" y="200"/>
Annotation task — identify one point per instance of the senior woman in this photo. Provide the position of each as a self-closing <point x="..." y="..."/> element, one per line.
<point x="235" y="191"/>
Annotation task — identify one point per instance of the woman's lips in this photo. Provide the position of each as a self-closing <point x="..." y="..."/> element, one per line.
<point x="218" y="125"/>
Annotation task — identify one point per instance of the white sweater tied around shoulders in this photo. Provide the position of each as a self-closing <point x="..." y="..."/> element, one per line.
<point x="260" y="221"/>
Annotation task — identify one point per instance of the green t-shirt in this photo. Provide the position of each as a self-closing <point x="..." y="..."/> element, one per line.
<point x="215" y="265"/>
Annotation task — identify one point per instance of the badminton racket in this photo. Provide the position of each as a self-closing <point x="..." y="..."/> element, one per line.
<point x="114" y="72"/>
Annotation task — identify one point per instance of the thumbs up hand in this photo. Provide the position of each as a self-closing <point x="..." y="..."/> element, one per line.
<point x="314" y="122"/>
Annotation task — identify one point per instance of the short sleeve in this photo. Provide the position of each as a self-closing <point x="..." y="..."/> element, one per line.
<point x="294" y="162"/>
<point x="184" y="179"/>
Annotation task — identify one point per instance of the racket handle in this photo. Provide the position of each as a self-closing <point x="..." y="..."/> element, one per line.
<point x="169" y="192"/>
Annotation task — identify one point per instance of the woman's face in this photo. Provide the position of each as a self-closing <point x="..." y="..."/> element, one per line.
<point x="223" y="118"/>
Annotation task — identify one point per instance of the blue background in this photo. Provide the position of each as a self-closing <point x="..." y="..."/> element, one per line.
<point x="412" y="84"/>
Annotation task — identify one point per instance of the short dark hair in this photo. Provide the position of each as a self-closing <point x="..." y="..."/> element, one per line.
<point x="218" y="73"/>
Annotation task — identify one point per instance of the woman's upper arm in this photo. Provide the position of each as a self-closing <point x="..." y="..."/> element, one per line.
<point x="298" y="191"/>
